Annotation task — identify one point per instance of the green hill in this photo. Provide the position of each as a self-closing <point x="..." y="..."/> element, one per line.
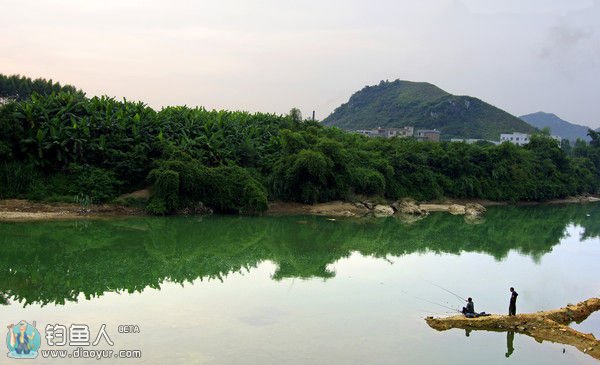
<point x="423" y="105"/>
<point x="558" y="126"/>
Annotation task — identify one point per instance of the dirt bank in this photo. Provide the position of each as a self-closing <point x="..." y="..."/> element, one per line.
<point x="549" y="325"/>
<point x="332" y="209"/>
<point x="24" y="210"/>
<point x="452" y="206"/>
<point x="343" y="209"/>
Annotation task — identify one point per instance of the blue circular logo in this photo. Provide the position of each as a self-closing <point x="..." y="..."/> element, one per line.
<point x="23" y="341"/>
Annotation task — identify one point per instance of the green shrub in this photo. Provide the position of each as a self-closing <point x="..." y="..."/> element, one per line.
<point x="131" y="201"/>
<point x="157" y="207"/>
<point x="16" y="179"/>
<point x="58" y="187"/>
<point x="165" y="198"/>
<point x="228" y="189"/>
<point x="232" y="189"/>
<point x="99" y="184"/>
<point x="367" y="181"/>
<point x="304" y="177"/>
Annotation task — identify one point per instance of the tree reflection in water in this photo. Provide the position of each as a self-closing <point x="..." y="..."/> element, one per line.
<point x="55" y="262"/>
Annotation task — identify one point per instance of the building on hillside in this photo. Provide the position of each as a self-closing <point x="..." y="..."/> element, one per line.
<point x="370" y="132"/>
<point x="387" y="132"/>
<point x="473" y="140"/>
<point x="404" y="132"/>
<point x="520" y="139"/>
<point x="429" y="135"/>
<point x="517" y="138"/>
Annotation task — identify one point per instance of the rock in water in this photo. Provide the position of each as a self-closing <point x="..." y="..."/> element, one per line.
<point x="456" y="209"/>
<point x="409" y="207"/>
<point x="475" y="210"/>
<point x="383" y="211"/>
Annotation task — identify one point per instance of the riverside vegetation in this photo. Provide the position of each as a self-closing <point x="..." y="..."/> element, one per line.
<point x="56" y="144"/>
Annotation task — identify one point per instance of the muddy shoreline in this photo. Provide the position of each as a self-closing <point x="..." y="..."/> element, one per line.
<point x="17" y="210"/>
<point x="452" y="206"/>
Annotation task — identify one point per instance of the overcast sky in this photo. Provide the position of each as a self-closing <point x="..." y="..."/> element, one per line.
<point x="271" y="55"/>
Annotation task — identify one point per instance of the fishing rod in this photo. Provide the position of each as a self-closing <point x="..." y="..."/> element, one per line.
<point x="446" y="290"/>
<point x="438" y="304"/>
<point x="428" y="313"/>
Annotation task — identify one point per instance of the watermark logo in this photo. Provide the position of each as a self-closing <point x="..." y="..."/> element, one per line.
<point x="23" y="340"/>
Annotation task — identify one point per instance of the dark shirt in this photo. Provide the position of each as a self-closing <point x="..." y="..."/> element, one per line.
<point x="470" y="307"/>
<point x="513" y="297"/>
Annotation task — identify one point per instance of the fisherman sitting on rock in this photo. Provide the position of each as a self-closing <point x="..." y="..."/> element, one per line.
<point x="470" y="308"/>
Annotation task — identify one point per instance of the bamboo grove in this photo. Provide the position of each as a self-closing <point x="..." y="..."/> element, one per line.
<point x="59" y="145"/>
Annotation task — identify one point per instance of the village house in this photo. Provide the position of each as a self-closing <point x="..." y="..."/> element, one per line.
<point x="429" y="135"/>
<point x="388" y="132"/>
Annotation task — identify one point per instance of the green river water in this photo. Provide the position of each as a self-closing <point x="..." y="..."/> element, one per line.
<point x="302" y="290"/>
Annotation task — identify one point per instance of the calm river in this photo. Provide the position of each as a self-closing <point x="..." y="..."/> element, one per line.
<point x="300" y="290"/>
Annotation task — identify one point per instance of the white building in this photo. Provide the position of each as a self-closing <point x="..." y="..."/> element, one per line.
<point x="472" y="140"/>
<point x="520" y="139"/>
<point x="388" y="132"/>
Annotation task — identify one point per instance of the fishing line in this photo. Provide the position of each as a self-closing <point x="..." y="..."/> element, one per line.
<point x="434" y="303"/>
<point x="444" y="289"/>
<point x="438" y="304"/>
<point x="428" y="313"/>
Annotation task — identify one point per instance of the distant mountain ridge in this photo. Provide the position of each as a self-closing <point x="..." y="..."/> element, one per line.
<point x="558" y="127"/>
<point x="422" y="105"/>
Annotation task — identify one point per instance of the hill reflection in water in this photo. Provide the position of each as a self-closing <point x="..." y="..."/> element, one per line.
<point x="55" y="262"/>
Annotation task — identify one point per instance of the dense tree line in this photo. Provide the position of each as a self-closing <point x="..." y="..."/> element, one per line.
<point x="20" y="87"/>
<point x="63" y="145"/>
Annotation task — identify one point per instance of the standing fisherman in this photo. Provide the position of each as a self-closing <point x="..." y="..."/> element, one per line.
<point x="512" y="308"/>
